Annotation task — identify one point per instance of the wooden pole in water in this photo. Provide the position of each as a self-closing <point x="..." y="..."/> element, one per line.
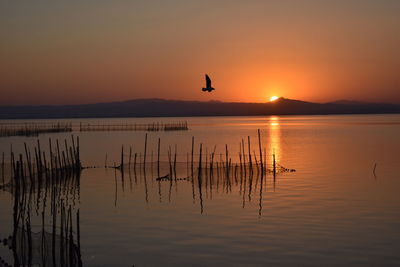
<point x="29" y="163"/>
<point x="64" y="161"/>
<point x="40" y="170"/>
<point x="192" y="155"/>
<point x="255" y="159"/>
<point x="226" y="161"/>
<point x="145" y="152"/>
<point x="240" y="158"/>
<point x="217" y="169"/>
<point x="76" y="150"/>
<point x="175" y="162"/>
<point x="265" y="158"/>
<point x="170" y="164"/>
<point x="244" y="158"/>
<point x="261" y="159"/>
<point x="122" y="159"/>
<point x="158" y="158"/>
<point x="22" y="172"/>
<point x="45" y="167"/>
<point x="249" y="147"/>
<point x="37" y="166"/>
<point x="59" y="155"/>
<point x="206" y="167"/>
<point x="12" y="163"/>
<point x="235" y="173"/>
<point x="130" y="157"/>
<point x="2" y="167"/>
<point x="221" y="162"/>
<point x="212" y="160"/>
<point x="200" y="156"/>
<point x="78" y="154"/>
<point x="66" y="154"/>
<point x="151" y="162"/>
<point x="273" y="163"/>
<point x="73" y="159"/>
<point x="187" y="164"/>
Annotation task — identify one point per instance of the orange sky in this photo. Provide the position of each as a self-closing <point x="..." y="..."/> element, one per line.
<point x="100" y="51"/>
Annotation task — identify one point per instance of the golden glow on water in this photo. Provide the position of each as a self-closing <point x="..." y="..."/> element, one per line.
<point x="274" y="138"/>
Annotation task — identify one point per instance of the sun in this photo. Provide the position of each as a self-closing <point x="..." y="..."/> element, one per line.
<point x="273" y="98"/>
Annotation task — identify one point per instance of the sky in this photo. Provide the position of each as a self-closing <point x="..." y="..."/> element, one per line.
<point x="75" y="52"/>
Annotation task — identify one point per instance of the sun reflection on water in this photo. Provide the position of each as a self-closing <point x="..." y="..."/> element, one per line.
<point x="274" y="140"/>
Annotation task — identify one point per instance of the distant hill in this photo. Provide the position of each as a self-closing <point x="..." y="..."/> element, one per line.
<point x="348" y="102"/>
<point x="176" y="108"/>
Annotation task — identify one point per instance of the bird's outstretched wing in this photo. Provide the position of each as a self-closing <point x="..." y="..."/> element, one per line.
<point x="208" y="81"/>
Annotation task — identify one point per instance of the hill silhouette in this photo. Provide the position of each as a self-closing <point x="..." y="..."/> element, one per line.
<point x="178" y="108"/>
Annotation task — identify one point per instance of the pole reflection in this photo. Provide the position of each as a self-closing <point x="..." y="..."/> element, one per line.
<point x="236" y="174"/>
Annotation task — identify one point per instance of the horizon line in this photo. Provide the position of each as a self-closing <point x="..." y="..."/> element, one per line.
<point x="349" y="101"/>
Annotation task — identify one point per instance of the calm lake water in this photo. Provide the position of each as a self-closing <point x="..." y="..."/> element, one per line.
<point x="340" y="207"/>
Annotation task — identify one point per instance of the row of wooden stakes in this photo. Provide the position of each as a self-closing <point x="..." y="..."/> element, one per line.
<point x="41" y="167"/>
<point x="248" y="160"/>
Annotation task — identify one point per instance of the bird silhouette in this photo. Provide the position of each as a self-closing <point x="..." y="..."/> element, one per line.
<point x="208" y="87"/>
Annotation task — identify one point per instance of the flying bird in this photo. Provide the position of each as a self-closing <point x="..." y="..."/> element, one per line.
<point x="208" y="87"/>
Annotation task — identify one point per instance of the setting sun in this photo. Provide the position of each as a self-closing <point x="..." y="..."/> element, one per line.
<point x="273" y="98"/>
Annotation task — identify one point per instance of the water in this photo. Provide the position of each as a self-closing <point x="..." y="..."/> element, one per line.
<point x="332" y="211"/>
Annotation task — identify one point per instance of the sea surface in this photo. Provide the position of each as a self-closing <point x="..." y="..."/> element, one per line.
<point x="340" y="207"/>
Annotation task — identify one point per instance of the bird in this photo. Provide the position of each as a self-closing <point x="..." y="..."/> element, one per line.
<point x="208" y="87"/>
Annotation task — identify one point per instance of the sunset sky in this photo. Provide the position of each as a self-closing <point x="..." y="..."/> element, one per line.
<point x="72" y="52"/>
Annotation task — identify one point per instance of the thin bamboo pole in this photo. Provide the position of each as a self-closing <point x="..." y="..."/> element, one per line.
<point x="158" y="158"/>
<point x="259" y="144"/>
<point x="145" y="152"/>
<point x="130" y="157"/>
<point x="122" y="159"/>
<point x="249" y="147"/>
<point x="192" y="155"/>
<point x="175" y="162"/>
<point x="2" y="168"/>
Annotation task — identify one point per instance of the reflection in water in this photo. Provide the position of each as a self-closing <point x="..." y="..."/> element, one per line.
<point x="274" y="139"/>
<point x="116" y="186"/>
<point x="44" y="235"/>
<point x="209" y="177"/>
<point x="60" y="244"/>
<point x="54" y="186"/>
<point x="309" y="208"/>
<point x="261" y="194"/>
<point x="48" y="235"/>
<point x="199" y="179"/>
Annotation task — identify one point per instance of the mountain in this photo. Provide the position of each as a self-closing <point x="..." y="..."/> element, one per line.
<point x="347" y="102"/>
<point x="177" y="108"/>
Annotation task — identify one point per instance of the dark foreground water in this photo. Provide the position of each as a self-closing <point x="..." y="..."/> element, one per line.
<point x="338" y="208"/>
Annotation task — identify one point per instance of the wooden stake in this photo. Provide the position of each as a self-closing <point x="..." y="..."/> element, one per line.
<point x="175" y="162"/>
<point x="145" y="152"/>
<point x="130" y="157"/>
<point x="158" y="158"/>
<point x="122" y="159"/>
<point x="192" y="155"/>
<point x="259" y="144"/>
<point x="249" y="147"/>
<point x="2" y="167"/>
